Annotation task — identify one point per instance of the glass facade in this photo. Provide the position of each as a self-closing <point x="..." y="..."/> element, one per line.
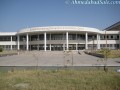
<point x="34" y="38"/>
<point x="58" y="37"/>
<point x="22" y="38"/>
<point x="57" y="47"/>
<point x="92" y="46"/>
<point x="5" y="38"/>
<point x="81" y="46"/>
<point x="72" y="37"/>
<point x="110" y="46"/>
<point x="72" y="46"/>
<point x="14" y="38"/>
<point x="41" y="37"/>
<point x="80" y="37"/>
<point x="109" y="37"/>
<point x="76" y="41"/>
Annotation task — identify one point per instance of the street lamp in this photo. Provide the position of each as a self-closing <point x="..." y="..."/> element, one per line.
<point x="106" y="39"/>
<point x="93" y="41"/>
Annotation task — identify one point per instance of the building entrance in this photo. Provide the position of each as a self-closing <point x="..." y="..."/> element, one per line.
<point x="72" y="46"/>
<point x="56" y="47"/>
<point x="81" y="46"/>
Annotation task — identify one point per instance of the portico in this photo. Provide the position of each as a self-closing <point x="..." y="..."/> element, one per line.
<point x="59" y="41"/>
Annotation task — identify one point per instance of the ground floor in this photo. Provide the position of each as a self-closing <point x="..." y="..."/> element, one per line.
<point x="60" y="47"/>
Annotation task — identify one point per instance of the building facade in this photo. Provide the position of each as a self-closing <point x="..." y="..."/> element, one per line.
<point x="59" y="38"/>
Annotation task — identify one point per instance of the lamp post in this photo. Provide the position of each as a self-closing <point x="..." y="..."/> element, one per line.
<point x="93" y="41"/>
<point x="106" y="39"/>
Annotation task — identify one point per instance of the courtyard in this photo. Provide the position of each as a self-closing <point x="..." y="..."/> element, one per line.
<point x="55" y="58"/>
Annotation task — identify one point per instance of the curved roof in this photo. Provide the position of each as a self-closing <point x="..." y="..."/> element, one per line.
<point x="59" y="29"/>
<point x="8" y="33"/>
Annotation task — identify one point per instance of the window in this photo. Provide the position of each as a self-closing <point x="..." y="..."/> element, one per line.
<point x="111" y="37"/>
<point x="48" y="36"/>
<point x="41" y="37"/>
<point x="22" y="38"/>
<point x="57" y="37"/>
<point x="34" y="37"/>
<point x="117" y="37"/>
<point x="80" y="37"/>
<point x="72" y="36"/>
<point x="14" y="38"/>
<point x="107" y="36"/>
<point x="5" y="38"/>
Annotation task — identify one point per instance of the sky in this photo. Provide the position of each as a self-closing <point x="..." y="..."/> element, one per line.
<point x="19" y="14"/>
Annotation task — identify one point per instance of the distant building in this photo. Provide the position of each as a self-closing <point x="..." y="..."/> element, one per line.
<point x="59" y="38"/>
<point x="114" y="27"/>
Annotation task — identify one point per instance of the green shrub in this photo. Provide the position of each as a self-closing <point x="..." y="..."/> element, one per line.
<point x="105" y="52"/>
<point x="1" y="49"/>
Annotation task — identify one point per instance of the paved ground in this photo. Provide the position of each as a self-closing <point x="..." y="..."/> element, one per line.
<point x="54" y="58"/>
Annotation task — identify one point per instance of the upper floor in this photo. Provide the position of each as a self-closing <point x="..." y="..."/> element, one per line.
<point x="59" y="33"/>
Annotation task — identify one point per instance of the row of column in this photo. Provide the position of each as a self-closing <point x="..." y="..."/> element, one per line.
<point x="67" y="42"/>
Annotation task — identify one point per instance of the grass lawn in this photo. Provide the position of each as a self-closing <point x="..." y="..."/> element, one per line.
<point x="60" y="80"/>
<point x="8" y="52"/>
<point x="113" y="54"/>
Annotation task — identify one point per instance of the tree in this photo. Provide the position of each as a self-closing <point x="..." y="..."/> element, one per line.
<point x="68" y="58"/>
<point x="106" y="53"/>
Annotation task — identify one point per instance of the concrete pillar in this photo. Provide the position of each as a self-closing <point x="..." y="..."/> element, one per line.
<point x="11" y="43"/>
<point x="27" y="42"/>
<point x="86" y="40"/>
<point x="76" y="47"/>
<point x="105" y="39"/>
<point x="67" y="41"/>
<point x="45" y="41"/>
<point x="98" y="41"/>
<point x="18" y="42"/>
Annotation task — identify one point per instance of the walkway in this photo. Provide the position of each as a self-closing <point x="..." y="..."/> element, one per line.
<point x="54" y="58"/>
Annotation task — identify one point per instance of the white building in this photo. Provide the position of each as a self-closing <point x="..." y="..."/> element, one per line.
<point x="56" y="38"/>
